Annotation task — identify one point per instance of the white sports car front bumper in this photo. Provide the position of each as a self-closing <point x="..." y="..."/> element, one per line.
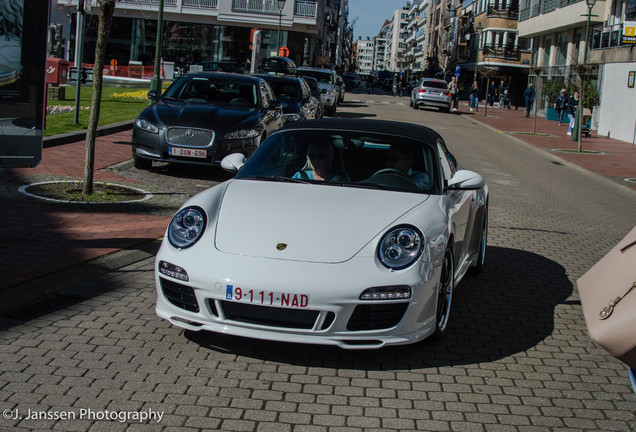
<point x="293" y="301"/>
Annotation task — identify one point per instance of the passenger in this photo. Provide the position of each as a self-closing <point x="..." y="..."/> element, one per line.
<point x="400" y="157"/>
<point x="320" y="166"/>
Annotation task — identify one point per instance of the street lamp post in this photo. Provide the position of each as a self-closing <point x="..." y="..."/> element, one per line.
<point x="281" y="5"/>
<point x="579" y="115"/>
<point x="478" y="31"/>
<point x="155" y="83"/>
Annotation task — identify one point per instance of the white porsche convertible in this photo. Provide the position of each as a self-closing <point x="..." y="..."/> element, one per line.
<point x="342" y="232"/>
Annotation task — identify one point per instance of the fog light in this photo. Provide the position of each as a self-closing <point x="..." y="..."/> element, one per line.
<point x="401" y="292"/>
<point x="173" y="271"/>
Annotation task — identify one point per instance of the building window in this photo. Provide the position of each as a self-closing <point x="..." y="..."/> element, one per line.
<point x="562" y="48"/>
<point x="547" y="48"/>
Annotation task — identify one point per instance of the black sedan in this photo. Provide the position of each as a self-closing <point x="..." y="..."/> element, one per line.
<point x="203" y="117"/>
<point x="294" y="94"/>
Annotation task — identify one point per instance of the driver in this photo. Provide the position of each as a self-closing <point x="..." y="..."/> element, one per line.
<point x="400" y="157"/>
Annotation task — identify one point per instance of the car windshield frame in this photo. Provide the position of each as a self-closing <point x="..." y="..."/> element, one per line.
<point x="215" y="90"/>
<point x="442" y="85"/>
<point x="358" y="158"/>
<point x="322" y="76"/>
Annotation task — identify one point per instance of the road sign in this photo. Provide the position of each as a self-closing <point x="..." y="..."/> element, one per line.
<point x="457" y="71"/>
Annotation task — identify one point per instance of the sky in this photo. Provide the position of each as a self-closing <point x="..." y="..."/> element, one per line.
<point x="370" y="15"/>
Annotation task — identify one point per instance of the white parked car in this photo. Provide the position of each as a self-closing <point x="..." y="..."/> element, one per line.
<point x="326" y="236"/>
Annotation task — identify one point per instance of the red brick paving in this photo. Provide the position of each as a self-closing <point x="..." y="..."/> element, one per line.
<point x="617" y="161"/>
<point x="39" y="238"/>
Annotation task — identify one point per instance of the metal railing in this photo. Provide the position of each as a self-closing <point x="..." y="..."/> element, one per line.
<point x="609" y="37"/>
<point x="169" y="3"/>
<point x="510" y="53"/>
<point x="201" y="3"/>
<point x="503" y="12"/>
<point x="305" y="8"/>
<point x="269" y="7"/>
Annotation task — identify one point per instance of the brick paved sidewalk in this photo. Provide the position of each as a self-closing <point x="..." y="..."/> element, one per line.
<point x="608" y="157"/>
<point x="41" y="237"/>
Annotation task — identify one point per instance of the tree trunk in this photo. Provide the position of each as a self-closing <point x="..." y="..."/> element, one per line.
<point x="107" y="7"/>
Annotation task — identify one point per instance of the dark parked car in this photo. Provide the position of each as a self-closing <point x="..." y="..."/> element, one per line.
<point x="295" y="96"/>
<point x="203" y="117"/>
<point x="328" y="89"/>
<point x="217" y="66"/>
<point x="315" y="91"/>
<point x="277" y="64"/>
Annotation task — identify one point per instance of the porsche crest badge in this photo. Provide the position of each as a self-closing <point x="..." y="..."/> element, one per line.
<point x="281" y="246"/>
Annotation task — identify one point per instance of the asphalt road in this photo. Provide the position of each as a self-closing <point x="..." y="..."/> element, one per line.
<point x="517" y="356"/>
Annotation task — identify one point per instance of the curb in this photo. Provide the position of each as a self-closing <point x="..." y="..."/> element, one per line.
<point x="69" y="137"/>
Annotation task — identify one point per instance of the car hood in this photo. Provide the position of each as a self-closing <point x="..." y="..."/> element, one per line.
<point x="315" y="223"/>
<point x="326" y="86"/>
<point x="206" y="116"/>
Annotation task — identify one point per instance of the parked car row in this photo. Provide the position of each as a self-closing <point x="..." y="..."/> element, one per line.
<point x="204" y="116"/>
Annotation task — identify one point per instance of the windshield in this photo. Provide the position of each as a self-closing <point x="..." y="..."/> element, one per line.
<point x="285" y="90"/>
<point x="435" y="84"/>
<point x="345" y="159"/>
<point x="323" y="77"/>
<point x="213" y="90"/>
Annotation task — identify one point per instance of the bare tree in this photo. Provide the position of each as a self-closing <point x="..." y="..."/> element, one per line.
<point x="106" y="10"/>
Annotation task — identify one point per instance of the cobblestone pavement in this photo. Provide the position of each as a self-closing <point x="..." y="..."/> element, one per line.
<point x="517" y="356"/>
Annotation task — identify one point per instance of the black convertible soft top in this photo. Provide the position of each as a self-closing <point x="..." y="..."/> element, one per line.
<point x="407" y="130"/>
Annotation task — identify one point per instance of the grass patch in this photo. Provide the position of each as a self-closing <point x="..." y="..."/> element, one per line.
<point x="114" y="108"/>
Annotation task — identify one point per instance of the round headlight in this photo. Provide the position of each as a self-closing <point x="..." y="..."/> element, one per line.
<point x="186" y="227"/>
<point x="400" y="247"/>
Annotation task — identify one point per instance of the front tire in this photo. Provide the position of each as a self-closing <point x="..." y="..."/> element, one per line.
<point x="444" y="295"/>
<point x="140" y="163"/>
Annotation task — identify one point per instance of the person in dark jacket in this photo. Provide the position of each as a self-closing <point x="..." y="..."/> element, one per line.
<point x="573" y="104"/>
<point x="528" y="97"/>
<point x="502" y="91"/>
<point x="492" y="94"/>
<point x="474" y="96"/>
<point x="561" y="104"/>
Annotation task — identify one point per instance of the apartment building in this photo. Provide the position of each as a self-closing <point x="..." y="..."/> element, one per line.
<point x="415" y="41"/>
<point x="219" y="30"/>
<point x="365" y="49"/>
<point x="396" y="35"/>
<point x="379" y="47"/>
<point x="558" y="30"/>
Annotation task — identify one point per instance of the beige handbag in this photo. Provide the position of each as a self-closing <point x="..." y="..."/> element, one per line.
<point x="608" y="296"/>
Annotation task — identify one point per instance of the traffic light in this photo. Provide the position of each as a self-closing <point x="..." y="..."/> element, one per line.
<point x="83" y="75"/>
<point x="283" y="51"/>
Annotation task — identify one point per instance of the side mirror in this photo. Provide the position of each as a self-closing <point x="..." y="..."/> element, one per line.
<point x="153" y="95"/>
<point x="466" y="180"/>
<point x="233" y="162"/>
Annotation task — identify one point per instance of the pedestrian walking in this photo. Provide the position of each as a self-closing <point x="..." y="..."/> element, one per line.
<point x="492" y="94"/>
<point x="452" y="86"/>
<point x="503" y="90"/>
<point x="573" y="104"/>
<point x="474" y="96"/>
<point x="528" y="97"/>
<point x="561" y="104"/>
<point x="370" y="81"/>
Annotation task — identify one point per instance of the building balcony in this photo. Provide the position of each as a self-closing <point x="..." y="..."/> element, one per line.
<point x="507" y="53"/>
<point x="498" y="12"/>
<point x="212" y="4"/>
<point x="610" y="37"/>
<point x="544" y="16"/>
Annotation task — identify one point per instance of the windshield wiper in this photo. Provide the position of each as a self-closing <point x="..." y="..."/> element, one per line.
<point x="275" y="179"/>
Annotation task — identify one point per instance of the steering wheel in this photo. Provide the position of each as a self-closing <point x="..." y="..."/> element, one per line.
<point x="392" y="171"/>
<point x="239" y="102"/>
